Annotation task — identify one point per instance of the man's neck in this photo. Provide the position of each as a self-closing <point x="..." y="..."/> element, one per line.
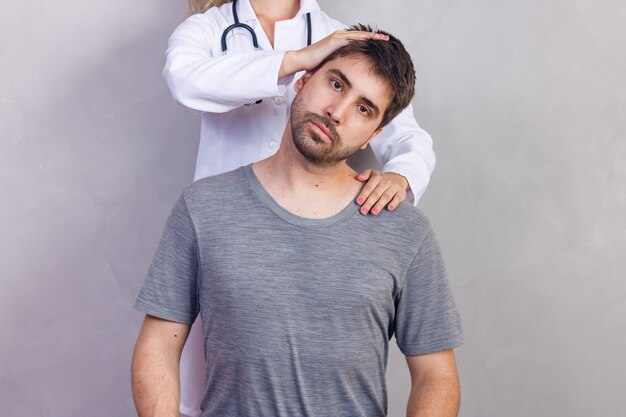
<point x="303" y="188"/>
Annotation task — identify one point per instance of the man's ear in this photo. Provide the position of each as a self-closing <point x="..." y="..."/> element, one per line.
<point x="302" y="80"/>
<point x="376" y="132"/>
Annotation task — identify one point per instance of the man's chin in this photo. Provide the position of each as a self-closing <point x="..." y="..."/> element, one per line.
<point x="314" y="156"/>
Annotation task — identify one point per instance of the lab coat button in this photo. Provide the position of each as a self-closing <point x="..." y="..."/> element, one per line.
<point x="278" y="100"/>
<point x="274" y="145"/>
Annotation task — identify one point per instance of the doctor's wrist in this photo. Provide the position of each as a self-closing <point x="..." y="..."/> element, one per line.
<point x="290" y="64"/>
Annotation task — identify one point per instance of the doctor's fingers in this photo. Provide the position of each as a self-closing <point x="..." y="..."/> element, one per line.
<point x="340" y="38"/>
<point x="383" y="197"/>
<point x="371" y="191"/>
<point x="383" y="189"/>
<point x="311" y="56"/>
<point x="357" y="35"/>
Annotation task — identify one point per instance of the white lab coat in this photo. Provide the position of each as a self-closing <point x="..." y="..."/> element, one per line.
<point x="235" y="132"/>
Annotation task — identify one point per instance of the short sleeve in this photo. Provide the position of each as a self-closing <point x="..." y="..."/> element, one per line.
<point x="169" y="290"/>
<point x="427" y="319"/>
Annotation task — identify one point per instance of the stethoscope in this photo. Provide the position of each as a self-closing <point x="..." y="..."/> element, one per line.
<point x="238" y="24"/>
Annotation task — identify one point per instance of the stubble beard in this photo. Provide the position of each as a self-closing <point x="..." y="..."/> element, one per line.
<point x="310" y="144"/>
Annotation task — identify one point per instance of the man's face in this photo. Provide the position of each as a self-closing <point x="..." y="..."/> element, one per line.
<point x="338" y="109"/>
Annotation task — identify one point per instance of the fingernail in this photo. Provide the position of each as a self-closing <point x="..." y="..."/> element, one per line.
<point x="391" y="207"/>
<point x="359" y="201"/>
<point x="375" y="211"/>
<point x="363" y="211"/>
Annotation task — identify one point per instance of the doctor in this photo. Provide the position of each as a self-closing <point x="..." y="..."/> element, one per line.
<point x="242" y="81"/>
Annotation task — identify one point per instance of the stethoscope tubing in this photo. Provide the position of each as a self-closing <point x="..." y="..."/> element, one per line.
<point x="255" y="42"/>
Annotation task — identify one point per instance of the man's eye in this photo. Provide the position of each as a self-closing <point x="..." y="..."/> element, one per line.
<point x="364" y="110"/>
<point x="336" y="84"/>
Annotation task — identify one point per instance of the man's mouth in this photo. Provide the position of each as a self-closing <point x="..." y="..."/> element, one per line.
<point x="326" y="136"/>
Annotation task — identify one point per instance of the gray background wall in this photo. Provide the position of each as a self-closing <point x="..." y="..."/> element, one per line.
<point x="526" y="101"/>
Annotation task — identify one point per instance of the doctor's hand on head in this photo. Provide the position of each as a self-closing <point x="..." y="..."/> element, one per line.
<point x="309" y="57"/>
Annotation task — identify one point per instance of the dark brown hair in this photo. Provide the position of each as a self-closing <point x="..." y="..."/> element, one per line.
<point x="390" y="60"/>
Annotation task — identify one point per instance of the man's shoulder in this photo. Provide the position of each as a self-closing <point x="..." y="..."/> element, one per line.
<point x="407" y="215"/>
<point x="406" y="225"/>
<point x="221" y="188"/>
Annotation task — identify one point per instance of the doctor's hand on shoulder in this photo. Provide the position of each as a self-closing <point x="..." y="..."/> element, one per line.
<point x="382" y="189"/>
<point x="311" y="56"/>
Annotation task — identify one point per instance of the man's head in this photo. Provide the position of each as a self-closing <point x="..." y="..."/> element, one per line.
<point x="389" y="60"/>
<point x="346" y="100"/>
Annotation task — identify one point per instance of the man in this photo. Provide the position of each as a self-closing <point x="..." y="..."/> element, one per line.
<point x="299" y="294"/>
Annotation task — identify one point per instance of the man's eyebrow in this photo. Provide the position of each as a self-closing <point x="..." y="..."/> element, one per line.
<point x="341" y="75"/>
<point x="347" y="82"/>
<point x="371" y="104"/>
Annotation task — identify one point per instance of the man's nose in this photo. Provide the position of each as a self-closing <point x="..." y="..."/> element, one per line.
<point x="337" y="111"/>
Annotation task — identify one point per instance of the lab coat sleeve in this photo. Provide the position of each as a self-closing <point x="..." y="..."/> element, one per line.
<point x="201" y="81"/>
<point x="405" y="148"/>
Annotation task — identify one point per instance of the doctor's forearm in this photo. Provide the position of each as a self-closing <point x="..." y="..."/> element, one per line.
<point x="405" y="148"/>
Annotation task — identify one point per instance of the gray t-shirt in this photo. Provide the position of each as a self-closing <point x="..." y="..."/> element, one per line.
<point x="297" y="313"/>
